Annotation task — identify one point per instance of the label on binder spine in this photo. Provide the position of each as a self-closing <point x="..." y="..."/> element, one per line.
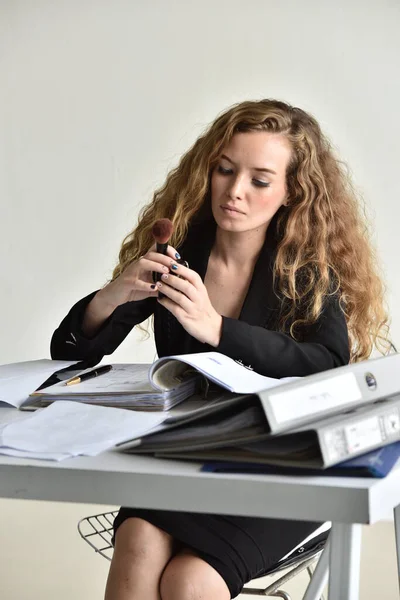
<point x="363" y="435"/>
<point x="315" y="398"/>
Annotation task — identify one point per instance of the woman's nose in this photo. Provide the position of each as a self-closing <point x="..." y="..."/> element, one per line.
<point x="236" y="189"/>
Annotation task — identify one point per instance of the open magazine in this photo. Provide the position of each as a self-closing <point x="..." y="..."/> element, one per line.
<point x="159" y="386"/>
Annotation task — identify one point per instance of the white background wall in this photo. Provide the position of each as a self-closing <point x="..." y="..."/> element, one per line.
<point x="99" y="99"/>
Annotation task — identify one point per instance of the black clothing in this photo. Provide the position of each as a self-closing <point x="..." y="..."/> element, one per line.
<point x="239" y="548"/>
<point x="252" y="338"/>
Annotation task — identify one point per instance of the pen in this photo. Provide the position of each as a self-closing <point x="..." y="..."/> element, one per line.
<point x="89" y="375"/>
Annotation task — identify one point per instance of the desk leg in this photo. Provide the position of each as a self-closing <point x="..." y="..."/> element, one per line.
<point x="344" y="561"/>
<point x="397" y="531"/>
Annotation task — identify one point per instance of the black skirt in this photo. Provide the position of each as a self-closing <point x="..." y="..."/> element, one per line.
<point x="238" y="548"/>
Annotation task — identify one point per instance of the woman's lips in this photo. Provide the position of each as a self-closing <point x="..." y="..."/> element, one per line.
<point x="231" y="210"/>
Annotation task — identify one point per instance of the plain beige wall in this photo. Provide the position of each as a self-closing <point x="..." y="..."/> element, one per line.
<point x="98" y="100"/>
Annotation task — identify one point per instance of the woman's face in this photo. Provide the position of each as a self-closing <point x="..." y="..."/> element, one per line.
<point x="248" y="184"/>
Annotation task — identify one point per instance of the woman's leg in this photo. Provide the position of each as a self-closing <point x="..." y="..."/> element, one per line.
<point x="141" y="553"/>
<point x="189" y="577"/>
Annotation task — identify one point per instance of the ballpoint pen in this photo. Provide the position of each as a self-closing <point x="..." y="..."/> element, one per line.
<point x="89" y="375"/>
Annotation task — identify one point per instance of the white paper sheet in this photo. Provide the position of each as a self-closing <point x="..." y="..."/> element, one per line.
<point x="69" y="427"/>
<point x="18" y="380"/>
<point x="226" y="372"/>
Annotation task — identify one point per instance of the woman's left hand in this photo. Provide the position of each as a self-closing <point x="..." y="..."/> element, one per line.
<point x="187" y="299"/>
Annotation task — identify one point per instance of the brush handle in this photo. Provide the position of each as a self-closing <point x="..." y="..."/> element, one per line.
<point x="161" y="249"/>
<point x="157" y="276"/>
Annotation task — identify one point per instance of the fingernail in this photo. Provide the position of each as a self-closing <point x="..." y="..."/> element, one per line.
<point x="164" y="276"/>
<point x="174" y="267"/>
<point x="153" y="287"/>
<point x="159" y="284"/>
<point x="177" y="255"/>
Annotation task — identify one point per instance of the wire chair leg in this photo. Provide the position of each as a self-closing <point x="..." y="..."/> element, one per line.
<point x="258" y="592"/>
<point x="310" y="571"/>
<point x="319" y="577"/>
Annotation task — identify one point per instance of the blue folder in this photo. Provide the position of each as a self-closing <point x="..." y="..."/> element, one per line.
<point x="377" y="463"/>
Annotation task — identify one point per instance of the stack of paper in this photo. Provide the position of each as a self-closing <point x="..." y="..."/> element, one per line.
<point x="125" y="386"/>
<point x="316" y="422"/>
<point x="67" y="429"/>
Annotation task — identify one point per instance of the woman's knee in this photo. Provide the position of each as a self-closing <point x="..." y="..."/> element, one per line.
<point x="142" y="541"/>
<point x="188" y="577"/>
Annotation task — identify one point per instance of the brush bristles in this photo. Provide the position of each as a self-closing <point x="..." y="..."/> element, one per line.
<point x="162" y="230"/>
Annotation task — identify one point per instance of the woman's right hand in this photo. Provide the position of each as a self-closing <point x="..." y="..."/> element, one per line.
<point x="133" y="284"/>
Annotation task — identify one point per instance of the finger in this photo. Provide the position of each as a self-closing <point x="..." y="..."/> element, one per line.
<point x="156" y="257"/>
<point x="143" y="286"/>
<point x="173" y="253"/>
<point x="177" y="297"/>
<point x="149" y="264"/>
<point x="170" y="253"/>
<point x="181" y="285"/>
<point x="170" y="305"/>
<point x="187" y="274"/>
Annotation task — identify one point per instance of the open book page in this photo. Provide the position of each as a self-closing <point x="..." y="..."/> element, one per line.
<point x="18" y="380"/>
<point x="218" y="368"/>
<point x="122" y="379"/>
<point x="164" y="375"/>
<point x="169" y="373"/>
<point x="124" y="386"/>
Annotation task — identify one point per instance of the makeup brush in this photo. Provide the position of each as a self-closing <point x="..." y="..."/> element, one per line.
<point x="162" y="231"/>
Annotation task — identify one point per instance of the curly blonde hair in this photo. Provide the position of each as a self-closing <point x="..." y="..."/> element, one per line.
<point x="323" y="233"/>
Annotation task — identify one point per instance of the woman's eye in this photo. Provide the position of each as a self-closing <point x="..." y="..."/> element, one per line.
<point x="259" y="183"/>
<point x="224" y="171"/>
<point x="256" y="182"/>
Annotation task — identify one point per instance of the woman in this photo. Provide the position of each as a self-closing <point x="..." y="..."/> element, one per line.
<point x="280" y="276"/>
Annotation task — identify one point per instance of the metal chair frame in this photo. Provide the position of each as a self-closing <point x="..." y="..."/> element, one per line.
<point x="97" y="531"/>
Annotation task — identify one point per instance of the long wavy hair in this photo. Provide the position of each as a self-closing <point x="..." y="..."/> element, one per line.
<point x="324" y="242"/>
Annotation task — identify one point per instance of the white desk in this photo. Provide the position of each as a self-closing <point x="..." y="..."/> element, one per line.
<point x="139" y="481"/>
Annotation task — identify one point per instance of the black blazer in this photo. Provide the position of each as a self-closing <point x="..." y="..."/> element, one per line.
<point x="252" y="338"/>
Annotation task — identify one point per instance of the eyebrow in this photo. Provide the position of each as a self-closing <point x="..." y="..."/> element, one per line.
<point x="254" y="168"/>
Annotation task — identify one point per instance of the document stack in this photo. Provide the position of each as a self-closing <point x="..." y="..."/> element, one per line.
<point x="212" y="408"/>
<point x="314" y="422"/>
